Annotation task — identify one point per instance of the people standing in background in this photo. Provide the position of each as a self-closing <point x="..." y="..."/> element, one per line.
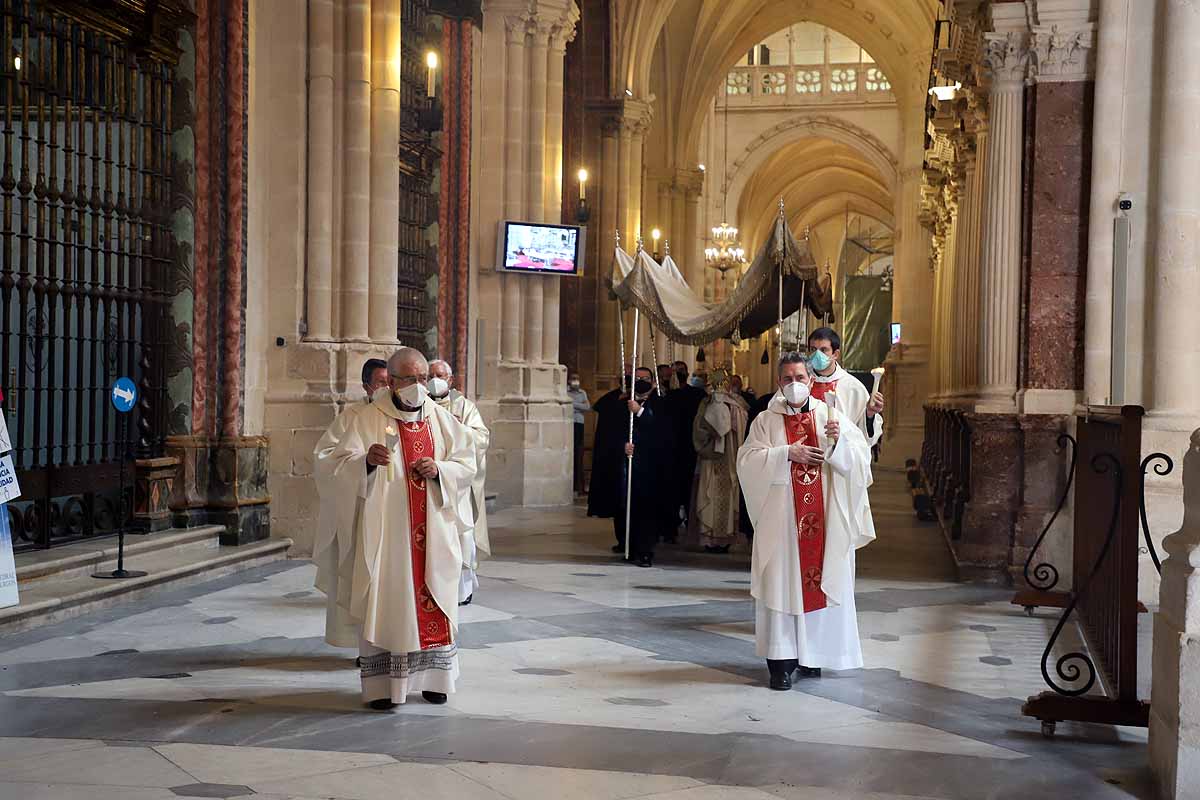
<point x="717" y="434"/>
<point x="683" y="401"/>
<point x="374" y="376"/>
<point x="736" y="385"/>
<point x="580" y="406"/>
<point x="645" y="457"/>
<point x="851" y="396"/>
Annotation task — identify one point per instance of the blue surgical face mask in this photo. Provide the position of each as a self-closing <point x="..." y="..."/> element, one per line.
<point x="820" y="362"/>
<point x="696" y="382"/>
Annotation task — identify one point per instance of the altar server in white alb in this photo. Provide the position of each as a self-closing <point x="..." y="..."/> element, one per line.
<point x="805" y="469"/>
<point x="441" y="377"/>
<point x="391" y="477"/>
<point x="849" y="394"/>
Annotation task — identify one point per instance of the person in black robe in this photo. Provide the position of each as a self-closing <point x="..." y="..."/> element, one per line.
<point x="605" y="498"/>
<point x="649" y="432"/>
<point x="683" y="401"/>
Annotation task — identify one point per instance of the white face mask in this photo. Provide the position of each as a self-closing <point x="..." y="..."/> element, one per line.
<point x="573" y="384"/>
<point x="413" y="395"/>
<point x="795" y="393"/>
<point x="438" y="388"/>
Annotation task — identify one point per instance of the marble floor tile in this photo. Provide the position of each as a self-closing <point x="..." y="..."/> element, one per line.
<point x="18" y="748"/>
<point x="387" y="782"/>
<point x="98" y="766"/>
<point x="548" y="783"/>
<point x="712" y="793"/>
<point x="821" y="793"/>
<point x="67" y="791"/>
<point x="251" y="765"/>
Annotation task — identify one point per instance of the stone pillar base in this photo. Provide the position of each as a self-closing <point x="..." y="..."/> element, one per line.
<point x="1043" y="477"/>
<point x="154" y="480"/>
<point x="989" y="517"/>
<point x="529" y="458"/>
<point x="222" y="482"/>
<point x="1175" y="692"/>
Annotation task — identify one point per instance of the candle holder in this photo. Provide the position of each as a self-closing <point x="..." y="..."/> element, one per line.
<point x="583" y="212"/>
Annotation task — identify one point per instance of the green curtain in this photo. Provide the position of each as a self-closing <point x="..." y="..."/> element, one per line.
<point x="866" y="322"/>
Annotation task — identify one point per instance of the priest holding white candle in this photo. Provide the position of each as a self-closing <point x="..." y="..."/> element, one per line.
<point x="805" y="469"/>
<point x="391" y="477"/>
<point x="863" y="407"/>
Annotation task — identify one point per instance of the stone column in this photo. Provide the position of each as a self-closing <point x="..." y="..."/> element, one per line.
<point x="514" y="174"/>
<point x="319" y="245"/>
<point x="356" y="174"/>
<point x="525" y="405"/>
<point x="907" y="382"/>
<point x="385" y="164"/>
<point x="977" y="171"/>
<point x="1174" y="281"/>
<point x="1107" y="145"/>
<point x="1175" y="685"/>
<point x="607" y="348"/>
<point x="961" y="318"/>
<point x="1007" y="59"/>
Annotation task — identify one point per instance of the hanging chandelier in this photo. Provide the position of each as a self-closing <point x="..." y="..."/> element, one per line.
<point x="725" y="251"/>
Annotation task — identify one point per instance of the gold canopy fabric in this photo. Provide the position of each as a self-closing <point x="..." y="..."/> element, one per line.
<point x="660" y="292"/>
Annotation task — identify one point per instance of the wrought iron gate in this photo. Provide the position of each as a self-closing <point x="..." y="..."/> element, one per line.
<point x="85" y="245"/>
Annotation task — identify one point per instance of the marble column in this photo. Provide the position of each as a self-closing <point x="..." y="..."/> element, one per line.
<point x="1007" y="59"/>
<point x="977" y="172"/>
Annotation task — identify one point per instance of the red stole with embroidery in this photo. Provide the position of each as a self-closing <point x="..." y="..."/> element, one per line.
<point x="416" y="441"/>
<point x="810" y="511"/>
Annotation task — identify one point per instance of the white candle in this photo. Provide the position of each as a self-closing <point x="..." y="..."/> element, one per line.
<point x="392" y="441"/>
<point x="431" y="61"/>
<point x="831" y="399"/>
<point x="877" y="376"/>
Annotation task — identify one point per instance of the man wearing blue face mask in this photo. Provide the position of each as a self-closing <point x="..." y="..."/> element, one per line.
<point x="848" y="393"/>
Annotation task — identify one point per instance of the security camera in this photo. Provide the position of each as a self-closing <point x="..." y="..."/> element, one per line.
<point x="1125" y="201"/>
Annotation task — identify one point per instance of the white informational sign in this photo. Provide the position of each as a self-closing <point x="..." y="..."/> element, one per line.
<point x="9" y="488"/>
<point x="8" y="567"/>
<point x="5" y="441"/>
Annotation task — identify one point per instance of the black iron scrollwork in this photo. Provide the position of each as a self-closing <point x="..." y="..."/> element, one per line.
<point x="1071" y="666"/>
<point x="1163" y="468"/>
<point x="1044" y="576"/>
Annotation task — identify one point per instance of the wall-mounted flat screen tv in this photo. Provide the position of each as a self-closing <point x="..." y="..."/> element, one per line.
<point x="540" y="248"/>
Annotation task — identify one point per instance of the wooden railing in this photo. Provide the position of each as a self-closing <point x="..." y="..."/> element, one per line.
<point x="946" y="464"/>
<point x="1103" y="596"/>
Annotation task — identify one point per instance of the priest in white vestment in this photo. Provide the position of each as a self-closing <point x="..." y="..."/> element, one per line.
<point x="717" y="432"/>
<point x="805" y="470"/>
<point x="850" y="395"/>
<point x="441" y="376"/>
<point x="391" y="477"/>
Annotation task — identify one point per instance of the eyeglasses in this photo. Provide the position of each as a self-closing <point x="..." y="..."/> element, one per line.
<point x="409" y="380"/>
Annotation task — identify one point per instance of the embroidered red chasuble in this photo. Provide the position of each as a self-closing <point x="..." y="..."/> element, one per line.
<point x="810" y="511"/>
<point x="416" y="442"/>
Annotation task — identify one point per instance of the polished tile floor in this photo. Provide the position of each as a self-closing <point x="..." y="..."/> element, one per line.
<point x="582" y="678"/>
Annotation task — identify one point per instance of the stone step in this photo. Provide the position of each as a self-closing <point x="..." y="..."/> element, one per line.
<point x="82" y="558"/>
<point x="50" y="596"/>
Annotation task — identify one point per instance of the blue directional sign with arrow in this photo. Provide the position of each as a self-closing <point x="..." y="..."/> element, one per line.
<point x="124" y="395"/>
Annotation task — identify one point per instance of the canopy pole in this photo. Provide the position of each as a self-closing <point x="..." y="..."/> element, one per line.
<point x="629" y="465"/>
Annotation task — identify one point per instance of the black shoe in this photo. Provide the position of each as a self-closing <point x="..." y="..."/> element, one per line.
<point x="780" y="681"/>
<point x="810" y="672"/>
<point x="618" y="548"/>
<point x="467" y="602"/>
<point x="645" y="561"/>
<point x="436" y="698"/>
<point x="383" y="704"/>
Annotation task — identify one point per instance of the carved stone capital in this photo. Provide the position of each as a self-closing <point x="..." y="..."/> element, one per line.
<point x="1007" y="57"/>
<point x="1062" y="54"/>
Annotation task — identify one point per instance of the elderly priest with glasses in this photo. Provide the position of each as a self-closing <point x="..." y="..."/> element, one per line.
<point x="805" y="468"/>
<point x="391" y="478"/>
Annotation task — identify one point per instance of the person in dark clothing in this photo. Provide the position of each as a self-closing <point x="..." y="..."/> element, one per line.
<point x="649" y="431"/>
<point x="682" y="402"/>
<point x="608" y="455"/>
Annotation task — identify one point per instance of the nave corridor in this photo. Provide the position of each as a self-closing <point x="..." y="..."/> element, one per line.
<point x="582" y="678"/>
